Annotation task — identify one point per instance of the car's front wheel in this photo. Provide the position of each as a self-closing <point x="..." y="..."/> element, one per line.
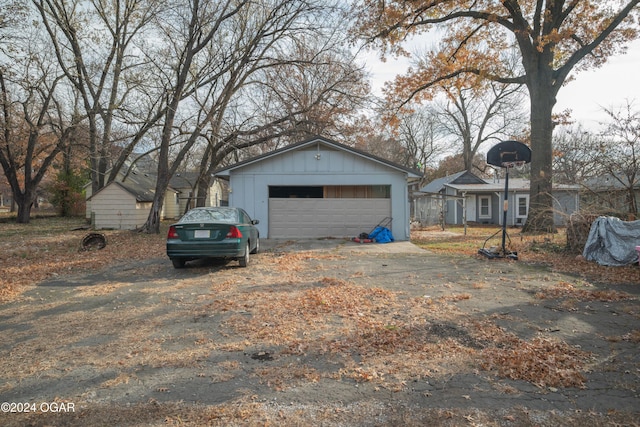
<point x="257" y="248"/>
<point x="178" y="262"/>
<point x="244" y="260"/>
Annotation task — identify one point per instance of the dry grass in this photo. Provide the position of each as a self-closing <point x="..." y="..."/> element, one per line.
<point x="297" y="309"/>
<point x="549" y="249"/>
<point x="51" y="246"/>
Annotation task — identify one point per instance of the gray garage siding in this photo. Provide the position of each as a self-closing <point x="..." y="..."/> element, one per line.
<point x="320" y="163"/>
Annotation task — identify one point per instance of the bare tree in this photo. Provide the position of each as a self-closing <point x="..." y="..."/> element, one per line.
<point x="553" y="38"/>
<point x="33" y="121"/>
<point x="223" y="52"/>
<point x="575" y="153"/>
<point x="619" y="151"/>
<point x="421" y="138"/>
<point x="95" y="44"/>
<point x="475" y="116"/>
<point x="218" y="47"/>
<point x="308" y="87"/>
<point x="320" y="88"/>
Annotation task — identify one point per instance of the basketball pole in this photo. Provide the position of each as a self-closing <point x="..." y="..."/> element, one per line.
<point x="505" y="154"/>
<point x="505" y="208"/>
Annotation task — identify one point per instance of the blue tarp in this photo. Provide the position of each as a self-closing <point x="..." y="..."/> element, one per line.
<point x="612" y="241"/>
<point x="381" y="235"/>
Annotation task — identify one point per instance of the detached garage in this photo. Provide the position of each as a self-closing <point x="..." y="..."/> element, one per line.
<point x="321" y="188"/>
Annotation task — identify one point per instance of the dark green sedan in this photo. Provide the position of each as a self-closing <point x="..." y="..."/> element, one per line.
<point x="220" y="232"/>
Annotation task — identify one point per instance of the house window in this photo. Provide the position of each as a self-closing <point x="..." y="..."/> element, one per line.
<point x="485" y="206"/>
<point x="522" y="203"/>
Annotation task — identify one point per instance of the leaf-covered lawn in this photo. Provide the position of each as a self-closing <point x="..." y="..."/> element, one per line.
<point x="50" y="247"/>
<point x="548" y="249"/>
<point x="296" y="311"/>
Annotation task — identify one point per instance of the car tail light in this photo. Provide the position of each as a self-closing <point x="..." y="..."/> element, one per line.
<point x="172" y="234"/>
<point x="234" y="233"/>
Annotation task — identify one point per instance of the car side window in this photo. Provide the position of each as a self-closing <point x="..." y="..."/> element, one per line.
<point x="244" y="218"/>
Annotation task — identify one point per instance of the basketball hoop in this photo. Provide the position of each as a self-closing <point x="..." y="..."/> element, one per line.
<point x="507" y="155"/>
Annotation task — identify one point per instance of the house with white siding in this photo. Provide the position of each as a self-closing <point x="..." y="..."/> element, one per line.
<point x="124" y="203"/>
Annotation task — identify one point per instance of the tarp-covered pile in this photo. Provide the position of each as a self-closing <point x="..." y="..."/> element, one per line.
<point x="612" y="241"/>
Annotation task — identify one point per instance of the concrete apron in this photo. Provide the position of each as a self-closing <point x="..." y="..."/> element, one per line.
<point x="339" y="245"/>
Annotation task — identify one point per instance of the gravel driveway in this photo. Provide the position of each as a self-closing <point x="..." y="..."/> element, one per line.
<point x="324" y="332"/>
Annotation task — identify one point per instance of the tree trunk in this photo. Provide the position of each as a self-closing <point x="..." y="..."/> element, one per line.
<point x="25" y="203"/>
<point x="202" y="186"/>
<point x="540" y="217"/>
<point x="633" y="205"/>
<point x="153" y="220"/>
<point x="202" y="192"/>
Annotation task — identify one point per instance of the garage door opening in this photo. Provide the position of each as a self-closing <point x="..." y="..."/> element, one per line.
<point x="296" y="192"/>
<point x="330" y="192"/>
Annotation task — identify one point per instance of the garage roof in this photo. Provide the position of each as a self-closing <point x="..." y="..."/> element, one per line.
<point x="411" y="173"/>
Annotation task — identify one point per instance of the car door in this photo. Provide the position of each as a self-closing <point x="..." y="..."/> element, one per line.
<point x="253" y="231"/>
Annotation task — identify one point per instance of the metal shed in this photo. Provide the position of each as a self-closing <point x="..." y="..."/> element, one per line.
<point x="321" y="188"/>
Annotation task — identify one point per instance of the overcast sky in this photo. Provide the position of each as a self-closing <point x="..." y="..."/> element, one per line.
<point x="606" y="87"/>
<point x="587" y="95"/>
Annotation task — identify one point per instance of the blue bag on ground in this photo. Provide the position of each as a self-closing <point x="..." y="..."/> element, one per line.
<point x="381" y="235"/>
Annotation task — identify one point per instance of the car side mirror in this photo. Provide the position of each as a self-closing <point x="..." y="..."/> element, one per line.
<point x="255" y="221"/>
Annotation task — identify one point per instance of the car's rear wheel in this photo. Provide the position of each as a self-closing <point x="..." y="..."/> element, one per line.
<point x="244" y="260"/>
<point x="178" y="262"/>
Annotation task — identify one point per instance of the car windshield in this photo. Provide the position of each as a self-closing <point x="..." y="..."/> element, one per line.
<point x="211" y="215"/>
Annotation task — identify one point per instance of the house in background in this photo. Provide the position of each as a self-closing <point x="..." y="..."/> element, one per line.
<point x="464" y="196"/>
<point x="186" y="197"/>
<point x="321" y="188"/>
<point x="6" y="196"/>
<point x="611" y="194"/>
<point x="124" y="203"/>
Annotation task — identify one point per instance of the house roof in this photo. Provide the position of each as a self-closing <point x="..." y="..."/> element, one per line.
<point x="184" y="180"/>
<point x="140" y="185"/>
<point x="411" y="173"/>
<point x="515" y="184"/>
<point x="463" y="177"/>
<point x="468" y="182"/>
<point x="610" y="182"/>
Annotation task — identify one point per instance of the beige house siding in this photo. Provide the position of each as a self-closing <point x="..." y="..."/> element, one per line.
<point x="217" y="193"/>
<point x="171" y="206"/>
<point x="215" y="196"/>
<point x="88" y="191"/>
<point x="183" y="200"/>
<point x="115" y="208"/>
